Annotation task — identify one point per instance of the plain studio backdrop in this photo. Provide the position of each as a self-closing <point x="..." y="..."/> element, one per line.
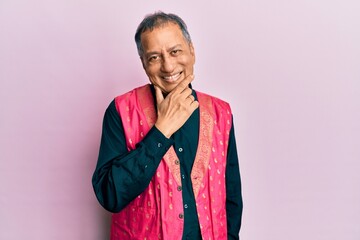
<point x="290" y="70"/>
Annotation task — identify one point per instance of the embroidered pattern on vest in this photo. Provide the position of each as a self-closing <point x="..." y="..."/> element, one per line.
<point x="203" y="152"/>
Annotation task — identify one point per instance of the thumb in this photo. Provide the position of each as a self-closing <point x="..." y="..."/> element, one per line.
<point x="159" y="95"/>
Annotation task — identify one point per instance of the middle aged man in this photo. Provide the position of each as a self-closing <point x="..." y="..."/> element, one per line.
<point x="168" y="166"/>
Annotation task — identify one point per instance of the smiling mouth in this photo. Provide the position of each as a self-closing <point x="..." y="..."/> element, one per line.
<point x="172" y="78"/>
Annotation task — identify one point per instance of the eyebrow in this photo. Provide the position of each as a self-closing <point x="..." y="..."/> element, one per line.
<point x="174" y="47"/>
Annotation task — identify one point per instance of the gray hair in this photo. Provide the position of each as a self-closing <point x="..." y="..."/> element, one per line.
<point x="158" y="19"/>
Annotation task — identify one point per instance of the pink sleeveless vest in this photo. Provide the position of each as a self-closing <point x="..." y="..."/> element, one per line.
<point x="157" y="213"/>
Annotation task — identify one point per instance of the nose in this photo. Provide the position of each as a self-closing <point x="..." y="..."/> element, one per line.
<point x="167" y="64"/>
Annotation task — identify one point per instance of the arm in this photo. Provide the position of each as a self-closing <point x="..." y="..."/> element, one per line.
<point x="234" y="204"/>
<point x="120" y="175"/>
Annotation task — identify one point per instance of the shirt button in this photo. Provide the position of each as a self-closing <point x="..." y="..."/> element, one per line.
<point x="179" y="188"/>
<point x="185" y="205"/>
<point x="181" y="215"/>
<point x="183" y="176"/>
<point x="159" y="145"/>
<point x="180" y="149"/>
<point x="177" y="162"/>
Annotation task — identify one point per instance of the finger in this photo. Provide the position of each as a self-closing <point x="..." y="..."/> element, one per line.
<point x="187" y="80"/>
<point x="191" y="98"/>
<point x="187" y="92"/>
<point x="184" y="83"/>
<point x="194" y="105"/>
<point x="159" y="95"/>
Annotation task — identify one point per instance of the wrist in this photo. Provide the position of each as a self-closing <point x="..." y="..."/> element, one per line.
<point x="163" y="129"/>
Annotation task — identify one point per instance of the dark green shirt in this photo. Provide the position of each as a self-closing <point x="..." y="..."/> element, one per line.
<point x="120" y="175"/>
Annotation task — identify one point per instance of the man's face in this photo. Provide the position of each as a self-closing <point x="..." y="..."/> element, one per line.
<point x="167" y="57"/>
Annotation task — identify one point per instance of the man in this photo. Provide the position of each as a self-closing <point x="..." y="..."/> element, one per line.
<point x="168" y="166"/>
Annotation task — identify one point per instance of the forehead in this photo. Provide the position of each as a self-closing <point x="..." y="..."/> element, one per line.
<point x="166" y="35"/>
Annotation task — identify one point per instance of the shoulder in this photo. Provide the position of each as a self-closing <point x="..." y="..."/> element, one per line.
<point x="217" y="108"/>
<point x="132" y="95"/>
<point x="217" y="102"/>
<point x="138" y="90"/>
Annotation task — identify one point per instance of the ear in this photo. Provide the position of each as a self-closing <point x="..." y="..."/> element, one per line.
<point x="142" y="62"/>
<point x="192" y="50"/>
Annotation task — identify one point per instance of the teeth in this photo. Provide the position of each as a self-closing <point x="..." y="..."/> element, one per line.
<point x="172" y="78"/>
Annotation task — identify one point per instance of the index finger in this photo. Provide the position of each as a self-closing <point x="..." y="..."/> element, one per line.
<point x="184" y="83"/>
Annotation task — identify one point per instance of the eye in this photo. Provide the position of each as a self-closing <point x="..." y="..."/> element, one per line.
<point x="153" y="58"/>
<point x="175" y="52"/>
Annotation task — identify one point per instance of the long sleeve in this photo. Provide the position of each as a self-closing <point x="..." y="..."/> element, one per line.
<point x="234" y="203"/>
<point x="120" y="175"/>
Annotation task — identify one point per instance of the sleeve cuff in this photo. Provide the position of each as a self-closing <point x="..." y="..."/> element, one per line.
<point x="156" y="142"/>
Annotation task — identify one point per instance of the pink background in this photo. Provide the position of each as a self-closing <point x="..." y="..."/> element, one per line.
<point x="290" y="69"/>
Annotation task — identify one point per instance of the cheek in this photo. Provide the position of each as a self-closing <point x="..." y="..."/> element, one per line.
<point x="151" y="70"/>
<point x="188" y="61"/>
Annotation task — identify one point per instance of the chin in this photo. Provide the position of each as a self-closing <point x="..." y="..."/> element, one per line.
<point x="168" y="90"/>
